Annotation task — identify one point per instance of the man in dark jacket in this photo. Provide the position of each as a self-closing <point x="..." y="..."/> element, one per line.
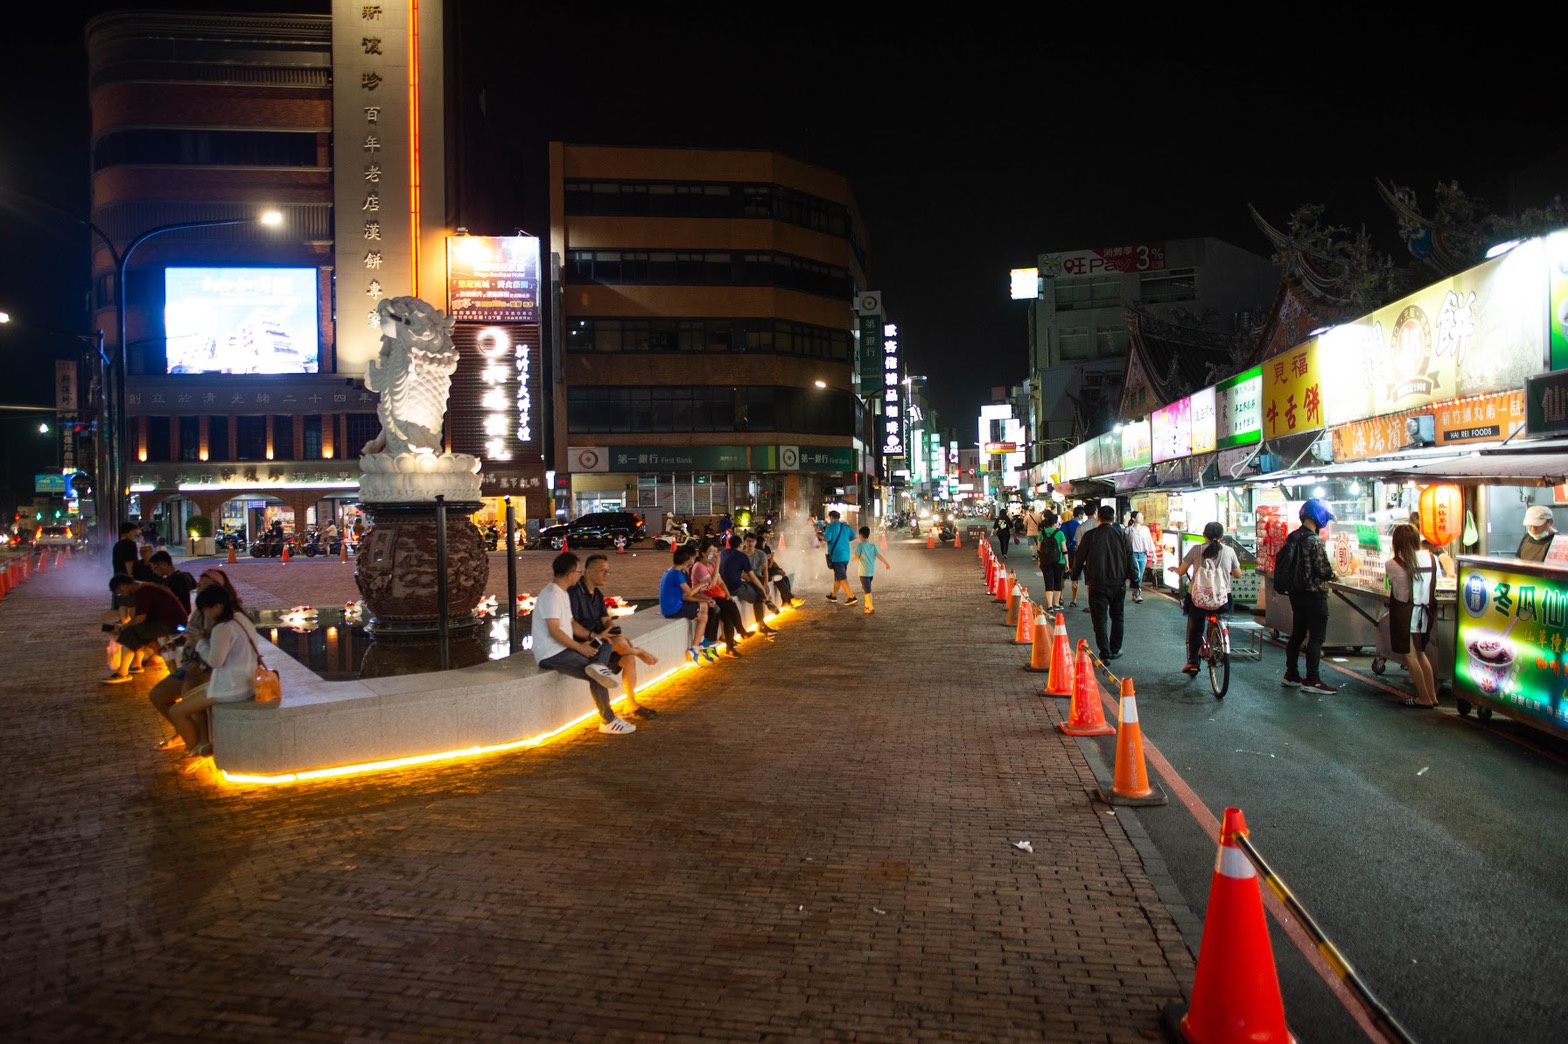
<point x="1105" y="559"/>
<point x="1309" y="600"/>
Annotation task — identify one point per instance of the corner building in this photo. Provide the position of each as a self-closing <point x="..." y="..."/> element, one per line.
<point x="705" y="334"/>
<point x="206" y="118"/>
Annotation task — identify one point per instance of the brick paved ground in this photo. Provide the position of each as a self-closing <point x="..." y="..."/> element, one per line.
<point x="813" y="843"/>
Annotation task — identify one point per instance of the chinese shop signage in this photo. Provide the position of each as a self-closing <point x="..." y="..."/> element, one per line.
<point x="491" y="408"/>
<point x="1137" y="257"/>
<point x="1481" y="419"/>
<point x="1172" y="431"/>
<point x="389" y="195"/>
<point x="892" y="395"/>
<point x="1136" y="444"/>
<point x="1513" y="640"/>
<point x="493" y="279"/>
<point x="1238" y="419"/>
<point x="1205" y="403"/>
<point x="1292" y="392"/>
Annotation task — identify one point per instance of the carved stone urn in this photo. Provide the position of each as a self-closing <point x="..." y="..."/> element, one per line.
<point x="395" y="569"/>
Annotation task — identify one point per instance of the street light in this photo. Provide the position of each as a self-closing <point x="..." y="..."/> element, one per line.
<point x="117" y="370"/>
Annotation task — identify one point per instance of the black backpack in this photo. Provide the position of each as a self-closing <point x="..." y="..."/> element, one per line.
<point x="1051" y="547"/>
<point x="1290" y="566"/>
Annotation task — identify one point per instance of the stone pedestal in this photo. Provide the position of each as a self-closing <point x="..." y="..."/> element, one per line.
<point x="395" y="569"/>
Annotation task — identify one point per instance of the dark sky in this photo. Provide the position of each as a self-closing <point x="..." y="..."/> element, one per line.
<point x="971" y="147"/>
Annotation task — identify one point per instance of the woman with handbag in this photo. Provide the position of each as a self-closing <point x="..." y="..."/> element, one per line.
<point x="229" y="650"/>
<point x="1412" y="579"/>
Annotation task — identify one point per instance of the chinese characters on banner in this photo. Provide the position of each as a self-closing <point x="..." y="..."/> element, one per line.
<point x="892" y="390"/>
<point x="1292" y="392"/>
<point x="1484" y="418"/>
<point x="1205" y="403"/>
<point x="1172" y="438"/>
<point x="1512" y="643"/>
<point x="493" y="279"/>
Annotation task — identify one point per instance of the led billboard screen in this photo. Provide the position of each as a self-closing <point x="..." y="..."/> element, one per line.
<point x="241" y="320"/>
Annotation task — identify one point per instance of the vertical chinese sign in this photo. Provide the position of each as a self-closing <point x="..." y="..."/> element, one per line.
<point x="892" y="392"/>
<point x="1292" y="392"/>
<point x="389" y="190"/>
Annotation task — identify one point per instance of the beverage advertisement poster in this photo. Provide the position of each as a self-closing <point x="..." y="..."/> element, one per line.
<point x="1512" y="641"/>
<point x="1136" y="448"/>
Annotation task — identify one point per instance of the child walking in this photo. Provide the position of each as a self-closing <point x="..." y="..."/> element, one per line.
<point x="867" y="555"/>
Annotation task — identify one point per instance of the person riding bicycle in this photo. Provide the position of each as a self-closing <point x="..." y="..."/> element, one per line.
<point x="1212" y="566"/>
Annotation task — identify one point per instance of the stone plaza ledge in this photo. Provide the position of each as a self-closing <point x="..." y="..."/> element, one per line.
<point x="322" y="726"/>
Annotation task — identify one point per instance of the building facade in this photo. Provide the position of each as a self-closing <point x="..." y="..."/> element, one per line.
<point x="705" y="346"/>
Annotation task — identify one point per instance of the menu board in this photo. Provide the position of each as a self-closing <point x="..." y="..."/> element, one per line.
<point x="1512" y="640"/>
<point x="1238" y="409"/>
<point x="1172" y="431"/>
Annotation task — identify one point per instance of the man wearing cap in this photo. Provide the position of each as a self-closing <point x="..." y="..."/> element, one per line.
<point x="1309" y="600"/>
<point x="1538" y="533"/>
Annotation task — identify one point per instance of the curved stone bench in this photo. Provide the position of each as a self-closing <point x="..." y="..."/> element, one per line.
<point x="328" y="724"/>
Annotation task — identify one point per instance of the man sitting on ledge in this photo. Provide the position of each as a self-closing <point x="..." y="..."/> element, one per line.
<point x="592" y="622"/>
<point x="555" y="649"/>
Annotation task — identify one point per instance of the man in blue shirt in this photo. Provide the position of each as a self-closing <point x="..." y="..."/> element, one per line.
<point x="744" y="585"/>
<point x="837" y="536"/>
<point x="1070" y="531"/>
<point x="680" y="599"/>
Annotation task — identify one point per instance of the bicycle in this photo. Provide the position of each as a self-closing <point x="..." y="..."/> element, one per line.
<point x="1215" y="653"/>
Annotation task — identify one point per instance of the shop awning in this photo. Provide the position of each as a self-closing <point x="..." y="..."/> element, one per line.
<point x="1548" y="468"/>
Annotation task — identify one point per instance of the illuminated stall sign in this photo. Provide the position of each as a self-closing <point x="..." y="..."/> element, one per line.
<point x="493" y="279"/>
<point x="1479" y="419"/>
<point x="1024" y="283"/>
<point x="1204" y="428"/>
<point x="1172" y="432"/>
<point x="892" y="395"/>
<point x="1137" y="449"/>
<point x="1292" y="392"/>
<point x="1557" y="299"/>
<point x="1238" y="409"/>
<point x="1512" y="642"/>
<point x="1105" y="454"/>
<point x="494" y="394"/>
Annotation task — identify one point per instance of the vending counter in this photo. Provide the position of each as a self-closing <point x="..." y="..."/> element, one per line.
<point x="1510" y="650"/>
<point x="1353" y="614"/>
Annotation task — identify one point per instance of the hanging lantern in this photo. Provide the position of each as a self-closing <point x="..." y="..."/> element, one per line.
<point x="1442" y="513"/>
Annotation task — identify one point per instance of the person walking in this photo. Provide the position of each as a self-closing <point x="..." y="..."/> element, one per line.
<point x="1105" y="561"/>
<point x="836" y="537"/>
<point x="1070" y="532"/>
<point x="1412" y="578"/>
<point x="1212" y="566"/>
<point x="1142" y="543"/>
<point x="1051" y="553"/>
<point x="1003" y="530"/>
<point x="867" y="556"/>
<point x="1032" y="529"/>
<point x="1090" y="522"/>
<point x="1309" y="597"/>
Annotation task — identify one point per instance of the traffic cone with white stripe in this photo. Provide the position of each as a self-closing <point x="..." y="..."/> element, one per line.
<point x="1014" y="599"/>
<point x="1040" y="644"/>
<point x="1235" y="993"/>
<point x="883" y="542"/>
<point x="958" y="537"/>
<point x="930" y="540"/>
<point x="1024" y="635"/>
<point x="1059" y="682"/>
<point x="1131" y="785"/>
<point x="1085" y="717"/>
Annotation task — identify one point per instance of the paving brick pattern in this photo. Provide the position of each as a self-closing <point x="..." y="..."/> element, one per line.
<point x="814" y="843"/>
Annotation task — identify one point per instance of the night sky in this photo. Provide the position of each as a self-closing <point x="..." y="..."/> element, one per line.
<point x="970" y="148"/>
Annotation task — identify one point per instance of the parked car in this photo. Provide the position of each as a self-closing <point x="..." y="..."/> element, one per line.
<point x="596" y="529"/>
<point x="56" y="537"/>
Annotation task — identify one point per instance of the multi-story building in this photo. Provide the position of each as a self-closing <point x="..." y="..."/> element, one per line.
<point x="706" y="343"/>
<point x="233" y="406"/>
<point x="1080" y="327"/>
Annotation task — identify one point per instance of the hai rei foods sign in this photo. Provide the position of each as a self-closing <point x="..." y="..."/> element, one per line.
<point x="1477" y="332"/>
<point x="389" y="188"/>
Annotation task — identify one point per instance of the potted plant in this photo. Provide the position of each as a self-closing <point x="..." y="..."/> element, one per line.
<point x="199" y="529"/>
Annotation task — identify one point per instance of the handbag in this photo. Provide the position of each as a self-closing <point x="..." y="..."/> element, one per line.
<point x="716" y="591"/>
<point x="268" y="686"/>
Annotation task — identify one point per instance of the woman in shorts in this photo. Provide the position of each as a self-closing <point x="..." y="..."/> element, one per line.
<point x="1412" y="577"/>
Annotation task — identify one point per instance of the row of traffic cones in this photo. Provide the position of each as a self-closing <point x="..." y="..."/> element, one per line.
<point x="1236" y="995"/>
<point x="18" y="571"/>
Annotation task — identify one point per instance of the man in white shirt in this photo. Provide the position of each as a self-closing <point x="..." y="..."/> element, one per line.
<point x="555" y="649"/>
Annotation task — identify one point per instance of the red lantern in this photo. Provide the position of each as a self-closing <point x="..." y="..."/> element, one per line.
<point x="1442" y="513"/>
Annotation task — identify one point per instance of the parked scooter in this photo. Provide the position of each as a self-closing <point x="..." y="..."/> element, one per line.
<point x="271" y="544"/>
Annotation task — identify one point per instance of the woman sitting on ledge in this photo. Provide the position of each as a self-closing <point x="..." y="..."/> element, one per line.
<point x="230" y="651"/>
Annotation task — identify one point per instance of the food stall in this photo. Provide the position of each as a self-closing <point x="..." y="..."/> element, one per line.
<point x="1511" y="645"/>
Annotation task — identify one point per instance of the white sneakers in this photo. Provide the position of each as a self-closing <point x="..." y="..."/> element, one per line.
<point x="618" y="727"/>
<point x="604" y="676"/>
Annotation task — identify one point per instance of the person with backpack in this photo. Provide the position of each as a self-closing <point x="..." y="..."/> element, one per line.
<point x="1212" y="566"/>
<point x="1051" y="553"/>
<point x="1302" y="572"/>
<point x="1070" y="530"/>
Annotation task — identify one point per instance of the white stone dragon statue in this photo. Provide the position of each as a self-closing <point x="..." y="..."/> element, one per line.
<point x="413" y="376"/>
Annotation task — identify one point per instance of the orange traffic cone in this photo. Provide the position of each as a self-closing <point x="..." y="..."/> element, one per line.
<point x="1014" y="597"/>
<point x="781" y="542"/>
<point x="43" y="562"/>
<point x="620" y="545"/>
<point x="343" y="550"/>
<point x="1235" y="992"/>
<point x="1060" y="681"/>
<point x="565" y="544"/>
<point x="232" y="558"/>
<point x="285" y="554"/>
<point x="930" y="540"/>
<point x="1131" y="785"/>
<point x="883" y="543"/>
<point x="1039" y="643"/>
<point x="1024" y="634"/>
<point x="958" y="537"/>
<point x="1086" y="717"/>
